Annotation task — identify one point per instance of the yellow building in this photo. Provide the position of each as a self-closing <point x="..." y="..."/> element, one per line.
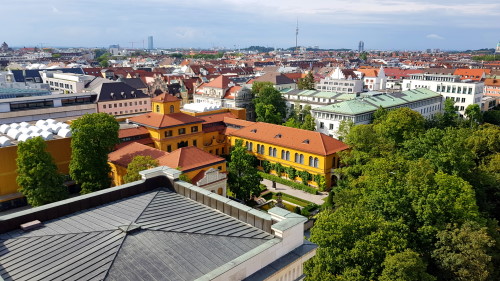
<point x="303" y="150"/>
<point x="60" y="149"/>
<point x="193" y="162"/>
<point x="215" y="131"/>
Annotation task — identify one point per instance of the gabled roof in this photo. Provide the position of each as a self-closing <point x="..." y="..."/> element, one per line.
<point x="221" y="82"/>
<point x="165" y="97"/>
<point x="134" y="82"/>
<point x="275" y="78"/>
<point x="109" y="91"/>
<point x="293" y="138"/>
<point x="123" y="156"/>
<point x="158" y="120"/>
<point x="190" y="158"/>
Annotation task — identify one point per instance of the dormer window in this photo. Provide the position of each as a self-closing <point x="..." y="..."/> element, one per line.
<point x="278" y="136"/>
<point x="254" y="131"/>
<point x="306" y="141"/>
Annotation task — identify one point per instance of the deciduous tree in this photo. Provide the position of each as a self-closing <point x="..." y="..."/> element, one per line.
<point x="243" y="179"/>
<point x="94" y="136"/>
<point x="138" y="163"/>
<point x="38" y="178"/>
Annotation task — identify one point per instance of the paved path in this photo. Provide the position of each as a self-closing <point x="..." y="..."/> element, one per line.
<point x="317" y="199"/>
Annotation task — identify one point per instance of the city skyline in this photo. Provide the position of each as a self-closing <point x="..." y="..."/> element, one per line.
<point x="392" y="25"/>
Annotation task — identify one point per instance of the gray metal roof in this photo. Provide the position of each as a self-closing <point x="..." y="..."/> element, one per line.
<point x="156" y="235"/>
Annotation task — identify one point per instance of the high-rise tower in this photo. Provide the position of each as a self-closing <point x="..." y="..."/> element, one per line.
<point x="498" y="48"/>
<point x="150" y="43"/>
<point x="296" y="37"/>
<point x="361" y="46"/>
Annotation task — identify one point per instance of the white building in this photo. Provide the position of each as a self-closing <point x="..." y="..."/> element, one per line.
<point x="313" y="98"/>
<point x="464" y="93"/>
<point x="361" y="109"/>
<point x="373" y="79"/>
<point x="66" y="82"/>
<point x="341" y="81"/>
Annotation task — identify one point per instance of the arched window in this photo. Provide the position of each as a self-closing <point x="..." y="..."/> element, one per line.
<point x="274" y="152"/>
<point x="301" y="159"/>
<point x="258" y="148"/>
<point x="316" y="162"/>
<point x="262" y="149"/>
<point x="251" y="146"/>
<point x="171" y="109"/>
<point x="283" y="154"/>
<point x="296" y="158"/>
<point x="157" y="108"/>
<point x="287" y="156"/>
<point x="311" y="161"/>
<point x="270" y="151"/>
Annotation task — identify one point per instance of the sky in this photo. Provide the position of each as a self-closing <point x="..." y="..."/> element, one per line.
<point x="382" y="25"/>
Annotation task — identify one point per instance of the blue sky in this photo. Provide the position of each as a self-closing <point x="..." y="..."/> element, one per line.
<point x="385" y="25"/>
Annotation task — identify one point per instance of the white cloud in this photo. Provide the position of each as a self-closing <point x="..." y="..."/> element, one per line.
<point x="434" y="36"/>
<point x="55" y="10"/>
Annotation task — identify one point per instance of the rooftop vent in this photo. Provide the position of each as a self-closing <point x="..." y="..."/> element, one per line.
<point x="31" y="225"/>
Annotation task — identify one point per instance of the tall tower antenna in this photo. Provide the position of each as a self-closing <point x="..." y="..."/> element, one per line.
<point x="297" y="36"/>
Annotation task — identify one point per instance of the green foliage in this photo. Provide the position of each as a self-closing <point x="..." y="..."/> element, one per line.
<point x="363" y="56"/>
<point x="289" y="183"/>
<point x="305" y="176"/>
<point x="56" y="56"/>
<point x="244" y="179"/>
<point x="291" y="172"/>
<point x="493" y="57"/>
<point x="278" y="168"/>
<point x="306" y="83"/>
<point x="345" y="127"/>
<point x="266" y="166"/>
<point x="329" y="204"/>
<point x="306" y="211"/>
<point x="270" y="106"/>
<point x="138" y="163"/>
<point x="405" y="266"/>
<point x="473" y="114"/>
<point x="94" y="136"/>
<point x="413" y="186"/>
<point x="379" y="114"/>
<point x="292" y="122"/>
<point x="462" y="252"/>
<point x="492" y="117"/>
<point x="38" y="178"/>
<point x="184" y="177"/>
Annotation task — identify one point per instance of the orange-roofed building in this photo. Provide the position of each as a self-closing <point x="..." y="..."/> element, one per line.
<point x="373" y="79"/>
<point x="223" y="92"/>
<point x="492" y="88"/>
<point x="302" y="150"/>
<point x="476" y="74"/>
<point x="201" y="168"/>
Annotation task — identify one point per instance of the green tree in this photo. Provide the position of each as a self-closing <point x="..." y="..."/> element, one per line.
<point x="363" y="56"/>
<point x="492" y="117"/>
<point x="94" y="136"/>
<point x="400" y="124"/>
<point x="38" y="178"/>
<point x="474" y="115"/>
<point x="306" y="83"/>
<point x="307" y="119"/>
<point x="462" y="252"/>
<point x="344" y="128"/>
<point x="138" y="163"/>
<point x="292" y="122"/>
<point x="270" y="106"/>
<point x="405" y="266"/>
<point x="450" y="115"/>
<point x="352" y="241"/>
<point x="243" y="179"/>
<point x="56" y="56"/>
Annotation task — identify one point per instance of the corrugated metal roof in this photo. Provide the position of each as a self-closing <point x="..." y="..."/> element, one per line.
<point x="174" y="238"/>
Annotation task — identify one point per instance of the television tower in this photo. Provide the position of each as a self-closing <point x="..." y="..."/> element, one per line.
<point x="297" y="36"/>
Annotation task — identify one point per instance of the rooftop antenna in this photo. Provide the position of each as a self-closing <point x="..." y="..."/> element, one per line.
<point x="297" y="36"/>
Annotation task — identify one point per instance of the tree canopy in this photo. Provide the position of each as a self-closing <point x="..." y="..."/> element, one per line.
<point x="138" y="163"/>
<point x="38" y="178"/>
<point x="94" y="136"/>
<point x="417" y="200"/>
<point x="306" y="83"/>
<point x="270" y="106"/>
<point x="243" y="179"/>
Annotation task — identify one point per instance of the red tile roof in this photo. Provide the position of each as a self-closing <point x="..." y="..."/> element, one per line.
<point x="190" y="158"/>
<point x="123" y="133"/>
<point x="124" y="155"/>
<point x="217" y="117"/>
<point x="238" y="122"/>
<point x="146" y="141"/>
<point x="158" y="120"/>
<point x="298" y="139"/>
<point x="165" y="97"/>
<point x="220" y="82"/>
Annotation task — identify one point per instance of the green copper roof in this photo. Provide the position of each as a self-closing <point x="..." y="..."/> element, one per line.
<point x="368" y="104"/>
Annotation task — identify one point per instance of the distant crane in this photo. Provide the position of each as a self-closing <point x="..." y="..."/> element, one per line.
<point x="132" y="44"/>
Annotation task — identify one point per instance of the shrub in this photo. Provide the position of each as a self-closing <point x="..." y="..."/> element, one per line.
<point x="291" y="184"/>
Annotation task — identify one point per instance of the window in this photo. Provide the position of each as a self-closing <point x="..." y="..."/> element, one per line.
<point x="321" y="125"/>
<point x="331" y="126"/>
<point x="301" y="159"/>
<point x="171" y="109"/>
<point x="311" y="161"/>
<point x="182" y="131"/>
<point x="157" y="108"/>
<point x="169" y="148"/>
<point x="296" y="158"/>
<point x="270" y="151"/>
<point x="261" y="151"/>
<point x="288" y="155"/>
<point x="283" y="154"/>
<point x="168" y="133"/>
<point x="104" y="106"/>
<point x="251" y="146"/>
<point x="316" y="162"/>
<point x="195" y="143"/>
<point x="194" y="129"/>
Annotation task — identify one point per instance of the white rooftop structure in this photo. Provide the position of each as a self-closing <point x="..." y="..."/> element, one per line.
<point x="48" y="129"/>
<point x="201" y="107"/>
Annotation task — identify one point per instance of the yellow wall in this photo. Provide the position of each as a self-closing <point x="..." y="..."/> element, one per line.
<point x="215" y="143"/>
<point x="325" y="163"/>
<point x="164" y="107"/>
<point x="162" y="141"/>
<point x="193" y="173"/>
<point x="60" y="149"/>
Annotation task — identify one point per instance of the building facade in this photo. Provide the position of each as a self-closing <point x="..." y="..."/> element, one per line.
<point x="462" y="92"/>
<point x="360" y="110"/>
<point x="341" y="81"/>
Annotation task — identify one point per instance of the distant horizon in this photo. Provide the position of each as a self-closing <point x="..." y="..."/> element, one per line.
<point x="330" y="24"/>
